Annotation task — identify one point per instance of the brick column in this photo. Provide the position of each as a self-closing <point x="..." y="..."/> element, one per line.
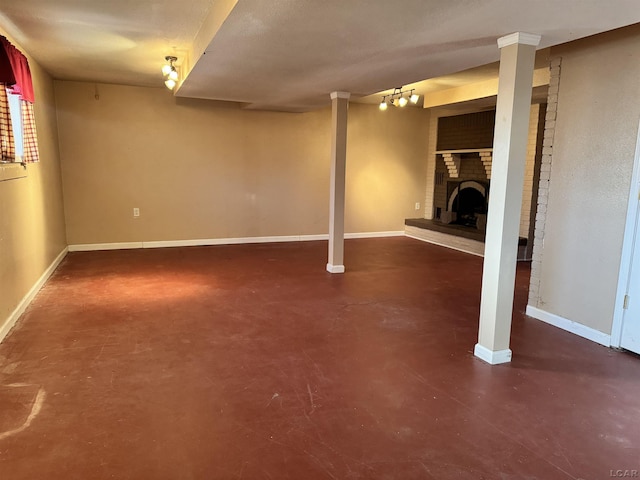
<point x="545" y="177"/>
<point x="429" y="200"/>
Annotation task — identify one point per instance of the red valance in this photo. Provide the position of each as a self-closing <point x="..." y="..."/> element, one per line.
<point x="6" y="71"/>
<point x="14" y="70"/>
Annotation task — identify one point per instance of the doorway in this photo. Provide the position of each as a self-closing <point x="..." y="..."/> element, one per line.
<point x="626" y="321"/>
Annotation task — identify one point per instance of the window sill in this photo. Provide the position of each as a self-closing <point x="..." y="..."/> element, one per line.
<point x="12" y="171"/>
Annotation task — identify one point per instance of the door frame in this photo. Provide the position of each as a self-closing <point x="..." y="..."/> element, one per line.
<point x="631" y="229"/>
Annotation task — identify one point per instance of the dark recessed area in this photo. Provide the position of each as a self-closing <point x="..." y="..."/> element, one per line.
<point x="471" y="130"/>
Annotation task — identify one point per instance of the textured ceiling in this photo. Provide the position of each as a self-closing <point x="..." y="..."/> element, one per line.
<point x="289" y="54"/>
<point x="110" y="41"/>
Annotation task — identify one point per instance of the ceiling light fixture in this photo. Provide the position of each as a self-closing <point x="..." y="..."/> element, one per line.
<point x="399" y="98"/>
<point x="170" y="72"/>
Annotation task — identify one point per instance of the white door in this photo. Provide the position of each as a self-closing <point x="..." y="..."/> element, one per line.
<point x="630" y="338"/>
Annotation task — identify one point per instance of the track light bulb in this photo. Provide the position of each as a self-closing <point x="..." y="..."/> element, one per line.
<point x="398" y="98"/>
<point x="170" y="72"/>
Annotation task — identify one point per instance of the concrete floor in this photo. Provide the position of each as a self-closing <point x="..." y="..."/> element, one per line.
<point x="252" y="362"/>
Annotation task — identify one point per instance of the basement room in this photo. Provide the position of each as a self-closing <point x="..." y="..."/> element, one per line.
<point x="319" y="240"/>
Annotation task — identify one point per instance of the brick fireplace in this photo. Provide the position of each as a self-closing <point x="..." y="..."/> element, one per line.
<point x="459" y="189"/>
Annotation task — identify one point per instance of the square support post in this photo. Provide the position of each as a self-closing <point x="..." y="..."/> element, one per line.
<point x="517" y="56"/>
<point x="339" y="106"/>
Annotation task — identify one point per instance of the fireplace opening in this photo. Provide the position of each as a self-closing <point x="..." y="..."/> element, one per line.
<point x="468" y="203"/>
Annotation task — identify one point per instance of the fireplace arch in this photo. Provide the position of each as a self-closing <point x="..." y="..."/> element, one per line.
<point x="468" y="202"/>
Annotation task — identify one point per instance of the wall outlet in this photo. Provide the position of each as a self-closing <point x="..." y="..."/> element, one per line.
<point x="136" y="212"/>
<point x="417" y="205"/>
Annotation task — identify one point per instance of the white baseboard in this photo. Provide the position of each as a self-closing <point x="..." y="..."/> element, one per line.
<point x="570" y="326"/>
<point x="492" y="357"/>
<point x="335" y="268"/>
<point x="399" y="233"/>
<point x="90" y="247"/>
<point x="219" y="241"/>
<point x="24" y="303"/>
<point x="87" y="247"/>
<point x="313" y="238"/>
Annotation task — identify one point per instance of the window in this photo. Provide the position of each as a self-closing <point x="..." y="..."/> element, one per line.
<point x="16" y="122"/>
<point x="18" y="139"/>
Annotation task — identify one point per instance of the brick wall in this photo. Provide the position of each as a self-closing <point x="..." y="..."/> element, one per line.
<point x="471" y="168"/>
<point x="470" y="130"/>
<point x="529" y="173"/>
<point x="543" y="184"/>
<point x="429" y="200"/>
<point x="440" y="186"/>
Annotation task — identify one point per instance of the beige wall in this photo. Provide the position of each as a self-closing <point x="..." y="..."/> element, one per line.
<point x="32" y="231"/>
<point x="198" y="170"/>
<point x="386" y="167"/>
<point x="592" y="159"/>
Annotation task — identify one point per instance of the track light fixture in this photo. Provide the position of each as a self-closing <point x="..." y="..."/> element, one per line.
<point x="170" y="72"/>
<point x="399" y="98"/>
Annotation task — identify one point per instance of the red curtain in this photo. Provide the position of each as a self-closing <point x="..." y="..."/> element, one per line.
<point x="30" y="137"/>
<point x="15" y="75"/>
<point x="22" y="85"/>
<point x="6" y="71"/>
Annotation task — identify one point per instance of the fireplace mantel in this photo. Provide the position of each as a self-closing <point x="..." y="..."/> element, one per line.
<point x="465" y="150"/>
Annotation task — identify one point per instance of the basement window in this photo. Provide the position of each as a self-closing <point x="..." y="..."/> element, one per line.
<point x="15" y="111"/>
<point x="11" y="136"/>
<point x="18" y="139"/>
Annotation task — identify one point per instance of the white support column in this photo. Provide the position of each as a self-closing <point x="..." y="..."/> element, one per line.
<point x="339" y="104"/>
<point x="517" y="57"/>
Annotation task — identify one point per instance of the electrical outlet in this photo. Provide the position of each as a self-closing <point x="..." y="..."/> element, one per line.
<point x="136" y="212"/>
<point x="417" y="205"/>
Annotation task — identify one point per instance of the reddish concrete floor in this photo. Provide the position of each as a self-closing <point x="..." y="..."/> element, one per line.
<point x="252" y="362"/>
